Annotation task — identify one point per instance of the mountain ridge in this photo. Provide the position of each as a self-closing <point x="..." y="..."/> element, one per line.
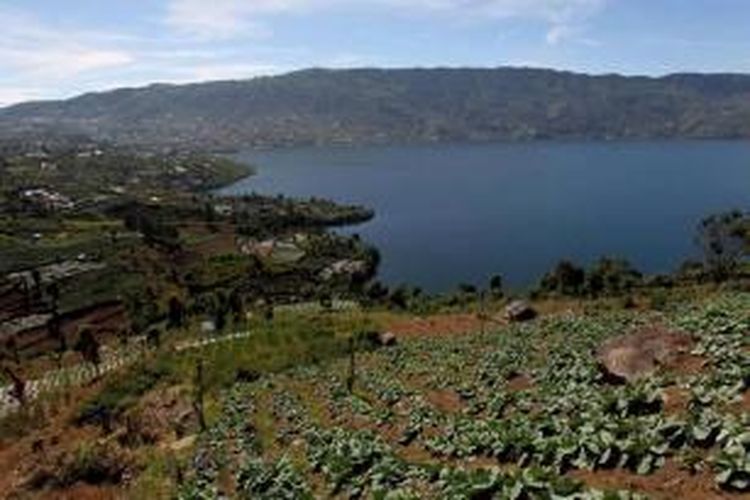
<point x="371" y="105"/>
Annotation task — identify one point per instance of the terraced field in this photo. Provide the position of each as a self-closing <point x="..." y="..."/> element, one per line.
<point x="520" y="412"/>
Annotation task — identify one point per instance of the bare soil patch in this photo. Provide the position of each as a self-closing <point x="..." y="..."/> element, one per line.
<point x="520" y="382"/>
<point x="667" y="483"/>
<point x="446" y="401"/>
<point x="438" y="325"/>
<point x="676" y="400"/>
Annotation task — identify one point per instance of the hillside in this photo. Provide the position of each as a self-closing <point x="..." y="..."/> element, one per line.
<point x="493" y="411"/>
<point x="405" y="105"/>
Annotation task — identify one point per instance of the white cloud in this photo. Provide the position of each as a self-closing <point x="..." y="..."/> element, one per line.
<point x="221" y="19"/>
<point x="550" y="10"/>
<point x="559" y="33"/>
<point x="61" y="62"/>
<point x="29" y="49"/>
<point x="563" y="17"/>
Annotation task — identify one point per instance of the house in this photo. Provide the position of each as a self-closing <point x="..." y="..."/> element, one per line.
<point x="47" y="199"/>
<point x="223" y="209"/>
<point x="282" y="251"/>
<point x="344" y="267"/>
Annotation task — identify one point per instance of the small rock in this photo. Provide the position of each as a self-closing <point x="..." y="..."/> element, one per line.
<point x="518" y="311"/>
<point x="387" y="339"/>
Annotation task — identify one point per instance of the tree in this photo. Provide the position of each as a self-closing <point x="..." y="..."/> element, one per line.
<point x="400" y="297"/>
<point x="565" y="279"/>
<point x="326" y="301"/>
<point x="723" y="239"/>
<point x="36" y="277"/>
<point x="176" y="313"/>
<point x="220" y="312"/>
<point x="154" y="231"/>
<point x="612" y="277"/>
<point x="496" y="285"/>
<point x="692" y="271"/>
<point x="53" y="290"/>
<point x="209" y="213"/>
<point x="237" y="306"/>
<point x="377" y="291"/>
<point x="267" y="309"/>
<point x="89" y="347"/>
<point x="54" y="329"/>
<point x="153" y="338"/>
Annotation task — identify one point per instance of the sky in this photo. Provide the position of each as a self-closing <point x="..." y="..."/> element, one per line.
<point x="52" y="49"/>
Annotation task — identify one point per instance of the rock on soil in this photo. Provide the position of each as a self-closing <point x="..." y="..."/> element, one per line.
<point x="387" y="339"/>
<point x="629" y="357"/>
<point x="519" y="310"/>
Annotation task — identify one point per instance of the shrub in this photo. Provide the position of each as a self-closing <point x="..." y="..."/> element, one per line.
<point x="566" y="279"/>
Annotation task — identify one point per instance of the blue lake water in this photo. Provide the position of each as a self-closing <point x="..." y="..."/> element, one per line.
<point x="448" y="214"/>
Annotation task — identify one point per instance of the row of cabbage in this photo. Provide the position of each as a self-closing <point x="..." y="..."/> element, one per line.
<point x="564" y="418"/>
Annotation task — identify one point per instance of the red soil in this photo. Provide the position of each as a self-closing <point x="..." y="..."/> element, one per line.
<point x="669" y="482"/>
<point x="438" y="325"/>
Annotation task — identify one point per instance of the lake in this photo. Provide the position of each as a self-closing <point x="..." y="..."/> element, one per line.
<point x="449" y="214"/>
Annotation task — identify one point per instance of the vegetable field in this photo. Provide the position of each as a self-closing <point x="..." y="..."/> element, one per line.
<point x="523" y="411"/>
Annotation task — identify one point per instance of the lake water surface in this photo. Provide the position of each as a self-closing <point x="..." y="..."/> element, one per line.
<point x="448" y="214"/>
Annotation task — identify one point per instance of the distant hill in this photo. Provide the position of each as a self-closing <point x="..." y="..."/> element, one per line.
<point x="401" y="105"/>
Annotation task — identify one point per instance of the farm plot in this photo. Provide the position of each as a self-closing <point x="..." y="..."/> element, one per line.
<point x="522" y="412"/>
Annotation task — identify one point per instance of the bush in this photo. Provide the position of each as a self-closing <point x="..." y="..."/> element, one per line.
<point x="612" y="277"/>
<point x="565" y="279"/>
<point x="723" y="239"/>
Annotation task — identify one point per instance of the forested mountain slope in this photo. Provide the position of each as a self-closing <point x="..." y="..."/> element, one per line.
<point x="400" y="105"/>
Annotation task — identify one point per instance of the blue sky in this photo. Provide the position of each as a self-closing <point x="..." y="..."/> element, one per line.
<point x="54" y="48"/>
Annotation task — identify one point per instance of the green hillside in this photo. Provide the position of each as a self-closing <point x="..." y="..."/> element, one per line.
<point x="395" y="106"/>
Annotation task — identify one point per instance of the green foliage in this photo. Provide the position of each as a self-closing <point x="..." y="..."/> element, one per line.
<point x="611" y="277"/>
<point x="278" y="481"/>
<point x="606" y="277"/>
<point x="483" y="483"/>
<point x="496" y="285"/>
<point x="565" y="279"/>
<point x="723" y="238"/>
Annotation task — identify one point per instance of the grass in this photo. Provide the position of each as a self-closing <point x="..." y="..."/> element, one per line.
<point x="157" y="479"/>
<point x="289" y="341"/>
<point x="122" y="392"/>
<point x="286" y="342"/>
